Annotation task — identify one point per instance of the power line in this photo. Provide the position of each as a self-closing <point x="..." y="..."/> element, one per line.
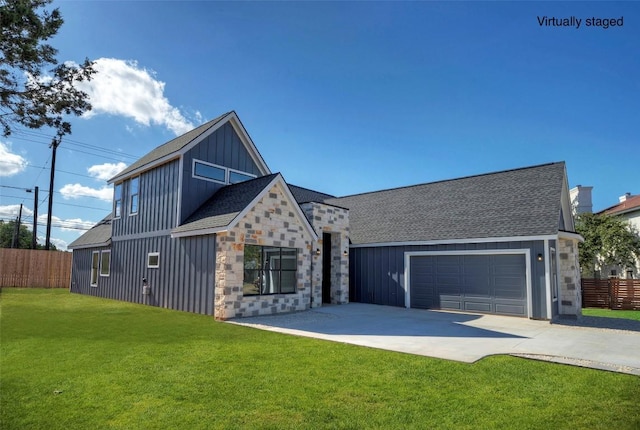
<point x="75" y="143"/>
<point x="63" y="204"/>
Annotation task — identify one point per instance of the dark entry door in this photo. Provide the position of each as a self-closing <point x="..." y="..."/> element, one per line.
<point x="326" y="268"/>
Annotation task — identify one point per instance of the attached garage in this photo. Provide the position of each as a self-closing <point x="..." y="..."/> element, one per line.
<point x="495" y="283"/>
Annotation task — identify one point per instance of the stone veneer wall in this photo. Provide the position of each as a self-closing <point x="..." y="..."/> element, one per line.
<point x="569" y="277"/>
<point x="333" y="220"/>
<point x="273" y="221"/>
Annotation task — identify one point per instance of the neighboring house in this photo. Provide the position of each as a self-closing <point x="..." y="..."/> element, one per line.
<point x="627" y="209"/>
<point x="201" y="224"/>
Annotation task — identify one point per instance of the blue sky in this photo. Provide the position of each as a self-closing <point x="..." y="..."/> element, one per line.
<point x="344" y="97"/>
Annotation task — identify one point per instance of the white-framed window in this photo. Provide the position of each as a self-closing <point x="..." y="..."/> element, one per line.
<point x="134" y="200"/>
<point x="117" y="200"/>
<point x="209" y="172"/>
<point x="95" y="264"/>
<point x="236" y="176"/>
<point x="105" y="263"/>
<point x="153" y="260"/>
<point x="219" y="174"/>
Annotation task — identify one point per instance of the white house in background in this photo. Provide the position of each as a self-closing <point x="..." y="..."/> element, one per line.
<point x="628" y="209"/>
<point x="581" y="199"/>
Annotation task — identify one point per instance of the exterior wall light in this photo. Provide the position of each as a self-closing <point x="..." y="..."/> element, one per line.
<point x="317" y="251"/>
<point x="539" y="257"/>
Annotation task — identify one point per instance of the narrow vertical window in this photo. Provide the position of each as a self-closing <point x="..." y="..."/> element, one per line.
<point x="95" y="262"/>
<point x="117" y="200"/>
<point x="105" y="263"/>
<point x="135" y="195"/>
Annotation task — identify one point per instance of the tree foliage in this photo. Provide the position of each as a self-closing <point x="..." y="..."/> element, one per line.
<point x="35" y="90"/>
<point x="608" y="241"/>
<point x="7" y="232"/>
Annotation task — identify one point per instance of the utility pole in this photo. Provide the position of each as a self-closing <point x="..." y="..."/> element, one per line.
<point x="54" y="146"/>
<point x="34" y="237"/>
<point x="16" y="234"/>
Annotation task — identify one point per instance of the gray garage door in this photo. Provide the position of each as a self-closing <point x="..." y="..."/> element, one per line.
<point x="477" y="283"/>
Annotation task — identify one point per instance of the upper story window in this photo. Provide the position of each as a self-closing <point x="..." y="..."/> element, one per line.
<point x="117" y="200"/>
<point x="220" y="174"/>
<point x="209" y="172"/>
<point x="135" y="195"/>
<point x="235" y="176"/>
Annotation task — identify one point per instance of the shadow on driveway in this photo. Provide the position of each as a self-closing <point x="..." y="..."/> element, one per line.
<point x="370" y="320"/>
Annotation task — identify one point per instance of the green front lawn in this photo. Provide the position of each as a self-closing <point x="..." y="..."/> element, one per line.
<point x="595" y="312"/>
<point x="77" y="362"/>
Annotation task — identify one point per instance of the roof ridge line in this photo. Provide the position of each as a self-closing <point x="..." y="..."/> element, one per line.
<point x="453" y="179"/>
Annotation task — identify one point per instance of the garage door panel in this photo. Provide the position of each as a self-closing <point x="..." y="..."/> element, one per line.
<point x="475" y="283"/>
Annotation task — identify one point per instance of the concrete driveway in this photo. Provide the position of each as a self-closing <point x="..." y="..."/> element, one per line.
<point x="463" y="336"/>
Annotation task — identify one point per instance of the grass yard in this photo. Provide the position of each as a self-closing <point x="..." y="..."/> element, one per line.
<point x="78" y="362"/>
<point x="608" y="313"/>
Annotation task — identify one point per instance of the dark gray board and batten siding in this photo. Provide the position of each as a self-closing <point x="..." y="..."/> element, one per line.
<point x="184" y="280"/>
<point x="224" y="148"/>
<point x="376" y="274"/>
<point x="158" y="203"/>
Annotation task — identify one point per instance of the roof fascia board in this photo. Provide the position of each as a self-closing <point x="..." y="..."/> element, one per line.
<point x="287" y="192"/>
<point x="135" y="172"/>
<point x="456" y="241"/>
<point x="248" y="143"/>
<point x="234" y="222"/>
<point x="90" y="245"/>
<point x="571" y="236"/>
<point x="565" y="202"/>
<point x="200" y="232"/>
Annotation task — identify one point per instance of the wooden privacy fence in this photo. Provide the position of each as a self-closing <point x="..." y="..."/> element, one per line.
<point x="28" y="268"/>
<point x="611" y="293"/>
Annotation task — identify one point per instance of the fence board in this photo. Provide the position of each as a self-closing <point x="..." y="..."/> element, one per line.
<point x="28" y="268"/>
<point x="611" y="293"/>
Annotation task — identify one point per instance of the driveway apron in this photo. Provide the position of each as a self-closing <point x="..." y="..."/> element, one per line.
<point x="461" y="336"/>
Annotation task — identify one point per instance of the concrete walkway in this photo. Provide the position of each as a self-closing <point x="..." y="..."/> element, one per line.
<point x="462" y="336"/>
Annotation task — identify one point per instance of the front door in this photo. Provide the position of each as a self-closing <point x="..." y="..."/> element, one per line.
<point x="326" y="268"/>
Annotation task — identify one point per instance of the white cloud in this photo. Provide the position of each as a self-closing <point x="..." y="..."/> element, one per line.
<point x="72" y="224"/>
<point x="76" y="191"/>
<point x="106" y="171"/>
<point x="121" y="87"/>
<point x="10" y="163"/>
<point x="60" y="244"/>
<point x="11" y="211"/>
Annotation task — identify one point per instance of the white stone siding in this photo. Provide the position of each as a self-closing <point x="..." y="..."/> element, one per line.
<point x="273" y="221"/>
<point x="569" y="278"/>
<point x="335" y="221"/>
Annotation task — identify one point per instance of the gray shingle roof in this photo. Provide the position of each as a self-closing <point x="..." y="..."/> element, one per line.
<point x="520" y="202"/>
<point x="225" y="205"/>
<point x="168" y="148"/>
<point x="305" y="195"/>
<point x="100" y="234"/>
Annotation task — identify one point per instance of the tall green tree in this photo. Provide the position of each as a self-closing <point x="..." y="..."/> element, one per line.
<point x="35" y="90"/>
<point x="8" y="231"/>
<point x="608" y="241"/>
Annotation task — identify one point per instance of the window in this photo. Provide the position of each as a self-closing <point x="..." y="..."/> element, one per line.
<point x="235" y="176"/>
<point x="153" y="260"/>
<point x="269" y="270"/>
<point x="214" y="173"/>
<point x="135" y="195"/>
<point x="117" y="200"/>
<point x="209" y="172"/>
<point x="95" y="261"/>
<point x="105" y="263"/>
